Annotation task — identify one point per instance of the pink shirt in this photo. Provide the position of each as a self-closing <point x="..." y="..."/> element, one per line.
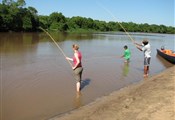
<point x="79" y="57"/>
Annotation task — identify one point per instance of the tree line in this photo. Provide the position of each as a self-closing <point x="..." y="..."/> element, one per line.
<point x="14" y="16"/>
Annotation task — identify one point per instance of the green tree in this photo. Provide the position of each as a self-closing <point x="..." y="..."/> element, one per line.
<point x="12" y="3"/>
<point x="44" y="21"/>
<point x="7" y="2"/>
<point x="57" y="17"/>
<point x="12" y="15"/>
<point x="20" y="3"/>
<point x="58" y="21"/>
<point x="90" y="23"/>
<point x="15" y="17"/>
<point x="34" y="18"/>
<point x="71" y="22"/>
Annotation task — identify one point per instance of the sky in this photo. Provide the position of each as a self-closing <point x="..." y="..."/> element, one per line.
<point x="137" y="11"/>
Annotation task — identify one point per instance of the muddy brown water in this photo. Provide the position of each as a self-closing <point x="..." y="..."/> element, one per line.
<point x="37" y="82"/>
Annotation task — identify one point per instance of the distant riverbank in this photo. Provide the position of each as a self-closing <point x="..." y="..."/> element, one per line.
<point x="151" y="99"/>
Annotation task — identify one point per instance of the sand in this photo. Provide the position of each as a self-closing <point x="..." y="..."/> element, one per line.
<point x="151" y="99"/>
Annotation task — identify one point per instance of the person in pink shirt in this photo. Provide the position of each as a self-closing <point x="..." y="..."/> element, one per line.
<point x="77" y="66"/>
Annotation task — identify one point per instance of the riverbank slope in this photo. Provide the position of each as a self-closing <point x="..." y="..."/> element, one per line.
<point x="151" y="99"/>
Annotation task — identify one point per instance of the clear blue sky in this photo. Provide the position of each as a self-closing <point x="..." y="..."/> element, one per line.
<point x="137" y="11"/>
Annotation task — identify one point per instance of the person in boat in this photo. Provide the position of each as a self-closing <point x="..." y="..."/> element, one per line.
<point x="163" y="49"/>
<point x="146" y="48"/>
<point x="127" y="54"/>
<point x="77" y="67"/>
<point x="166" y="51"/>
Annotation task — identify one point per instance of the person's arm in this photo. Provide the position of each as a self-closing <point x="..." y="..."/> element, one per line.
<point x="77" y="59"/>
<point x="69" y="58"/>
<point x="138" y="44"/>
<point x="138" y="47"/>
<point x="123" y="55"/>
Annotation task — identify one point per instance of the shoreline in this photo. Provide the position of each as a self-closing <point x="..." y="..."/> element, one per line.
<point x="151" y="99"/>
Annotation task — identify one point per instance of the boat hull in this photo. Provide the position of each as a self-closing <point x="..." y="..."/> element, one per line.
<point x="166" y="57"/>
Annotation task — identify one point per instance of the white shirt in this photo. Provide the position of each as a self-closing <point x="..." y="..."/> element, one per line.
<point x="147" y="50"/>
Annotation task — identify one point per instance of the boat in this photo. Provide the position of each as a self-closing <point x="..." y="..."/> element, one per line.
<point x="167" y="55"/>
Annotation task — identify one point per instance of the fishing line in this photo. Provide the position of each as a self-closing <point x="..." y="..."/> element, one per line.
<point x="117" y="21"/>
<point x="99" y="57"/>
<point x="56" y="44"/>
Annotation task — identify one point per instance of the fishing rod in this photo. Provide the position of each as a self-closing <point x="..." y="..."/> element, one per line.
<point x="56" y="44"/>
<point x="117" y="22"/>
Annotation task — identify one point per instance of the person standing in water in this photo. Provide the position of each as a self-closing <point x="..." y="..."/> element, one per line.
<point x="77" y="66"/>
<point x="127" y="54"/>
<point x="146" y="48"/>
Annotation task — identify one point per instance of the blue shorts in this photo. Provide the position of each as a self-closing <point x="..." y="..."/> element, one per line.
<point x="147" y="61"/>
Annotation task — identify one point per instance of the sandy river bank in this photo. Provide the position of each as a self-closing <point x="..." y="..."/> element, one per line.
<point x="151" y="99"/>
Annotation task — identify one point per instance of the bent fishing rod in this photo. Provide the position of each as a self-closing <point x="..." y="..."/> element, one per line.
<point x="56" y="44"/>
<point x="133" y="41"/>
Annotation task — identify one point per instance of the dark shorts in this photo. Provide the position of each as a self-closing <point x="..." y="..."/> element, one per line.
<point x="147" y="61"/>
<point x="78" y="73"/>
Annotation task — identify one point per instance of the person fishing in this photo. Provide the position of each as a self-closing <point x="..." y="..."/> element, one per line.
<point x="77" y="67"/>
<point x="146" y="48"/>
<point x="127" y="54"/>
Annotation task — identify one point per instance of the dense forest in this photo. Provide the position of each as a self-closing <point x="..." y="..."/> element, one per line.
<point x="14" y="16"/>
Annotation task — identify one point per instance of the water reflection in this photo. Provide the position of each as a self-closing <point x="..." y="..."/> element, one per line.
<point x="17" y="42"/>
<point x="163" y="61"/>
<point x="71" y="36"/>
<point x="78" y="100"/>
<point x="125" y="69"/>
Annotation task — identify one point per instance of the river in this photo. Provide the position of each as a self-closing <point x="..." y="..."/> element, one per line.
<point x="37" y="82"/>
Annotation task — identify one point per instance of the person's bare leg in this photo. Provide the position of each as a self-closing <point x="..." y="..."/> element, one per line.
<point x="145" y="71"/>
<point x="78" y="86"/>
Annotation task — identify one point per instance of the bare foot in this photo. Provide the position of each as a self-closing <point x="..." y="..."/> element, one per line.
<point x="145" y="75"/>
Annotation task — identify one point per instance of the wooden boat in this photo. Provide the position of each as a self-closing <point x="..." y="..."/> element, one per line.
<point x="167" y="54"/>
